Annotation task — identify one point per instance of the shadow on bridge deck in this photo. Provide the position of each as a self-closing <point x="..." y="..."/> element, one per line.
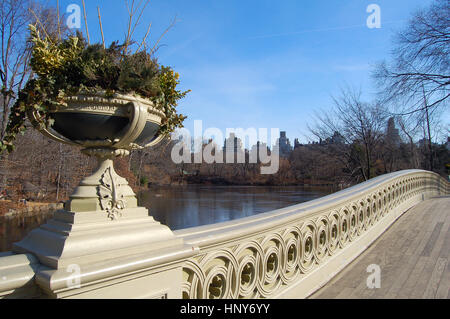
<point x="413" y="255"/>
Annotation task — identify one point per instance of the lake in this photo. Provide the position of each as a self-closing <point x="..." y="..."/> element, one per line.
<point x="187" y="206"/>
<point x="194" y="205"/>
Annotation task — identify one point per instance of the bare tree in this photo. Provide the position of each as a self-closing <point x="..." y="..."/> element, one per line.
<point x="421" y="61"/>
<point x="418" y="78"/>
<point x="359" y="124"/>
<point x="15" y="53"/>
<point x="410" y="130"/>
<point x="15" y="50"/>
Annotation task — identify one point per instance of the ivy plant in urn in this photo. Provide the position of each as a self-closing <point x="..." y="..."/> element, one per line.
<point x="108" y="101"/>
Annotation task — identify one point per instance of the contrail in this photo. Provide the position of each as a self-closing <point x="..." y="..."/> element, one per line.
<point x="318" y="30"/>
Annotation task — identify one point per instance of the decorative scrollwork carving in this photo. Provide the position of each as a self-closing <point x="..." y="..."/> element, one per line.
<point x="111" y="199"/>
<point x="353" y="221"/>
<point x="307" y="260"/>
<point x="217" y="286"/>
<point x="334" y="235"/>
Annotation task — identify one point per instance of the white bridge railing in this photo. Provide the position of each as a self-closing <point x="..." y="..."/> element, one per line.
<point x="291" y="252"/>
<point x="286" y="253"/>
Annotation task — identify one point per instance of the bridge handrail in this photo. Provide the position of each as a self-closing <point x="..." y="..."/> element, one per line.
<point x="295" y="248"/>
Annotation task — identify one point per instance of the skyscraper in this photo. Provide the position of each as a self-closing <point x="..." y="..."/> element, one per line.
<point x="284" y="145"/>
<point x="392" y="135"/>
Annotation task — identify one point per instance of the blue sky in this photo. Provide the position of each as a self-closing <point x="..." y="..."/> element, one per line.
<point x="261" y="63"/>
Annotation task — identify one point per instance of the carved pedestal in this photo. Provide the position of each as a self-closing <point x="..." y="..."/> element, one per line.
<point x="102" y="239"/>
<point x="103" y="191"/>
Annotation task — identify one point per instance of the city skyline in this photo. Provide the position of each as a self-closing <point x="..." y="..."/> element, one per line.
<point x="237" y="144"/>
<point x="241" y="142"/>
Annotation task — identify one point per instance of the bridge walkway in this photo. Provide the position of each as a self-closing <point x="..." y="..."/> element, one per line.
<point x="413" y="255"/>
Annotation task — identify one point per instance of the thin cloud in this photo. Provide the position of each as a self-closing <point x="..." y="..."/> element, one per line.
<point x="320" y="30"/>
<point x="352" y="67"/>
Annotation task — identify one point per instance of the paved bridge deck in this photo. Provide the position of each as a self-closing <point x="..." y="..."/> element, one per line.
<point x="413" y="255"/>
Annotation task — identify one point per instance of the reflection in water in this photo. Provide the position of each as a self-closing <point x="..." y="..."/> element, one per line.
<point x="14" y="229"/>
<point x="186" y="206"/>
<point x="194" y="205"/>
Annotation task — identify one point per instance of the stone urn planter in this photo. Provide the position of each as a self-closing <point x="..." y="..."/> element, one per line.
<point x="105" y="127"/>
<point x="101" y="220"/>
<point x="119" y="122"/>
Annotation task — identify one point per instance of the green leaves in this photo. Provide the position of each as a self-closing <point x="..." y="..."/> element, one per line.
<point x="67" y="66"/>
<point x="168" y="82"/>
